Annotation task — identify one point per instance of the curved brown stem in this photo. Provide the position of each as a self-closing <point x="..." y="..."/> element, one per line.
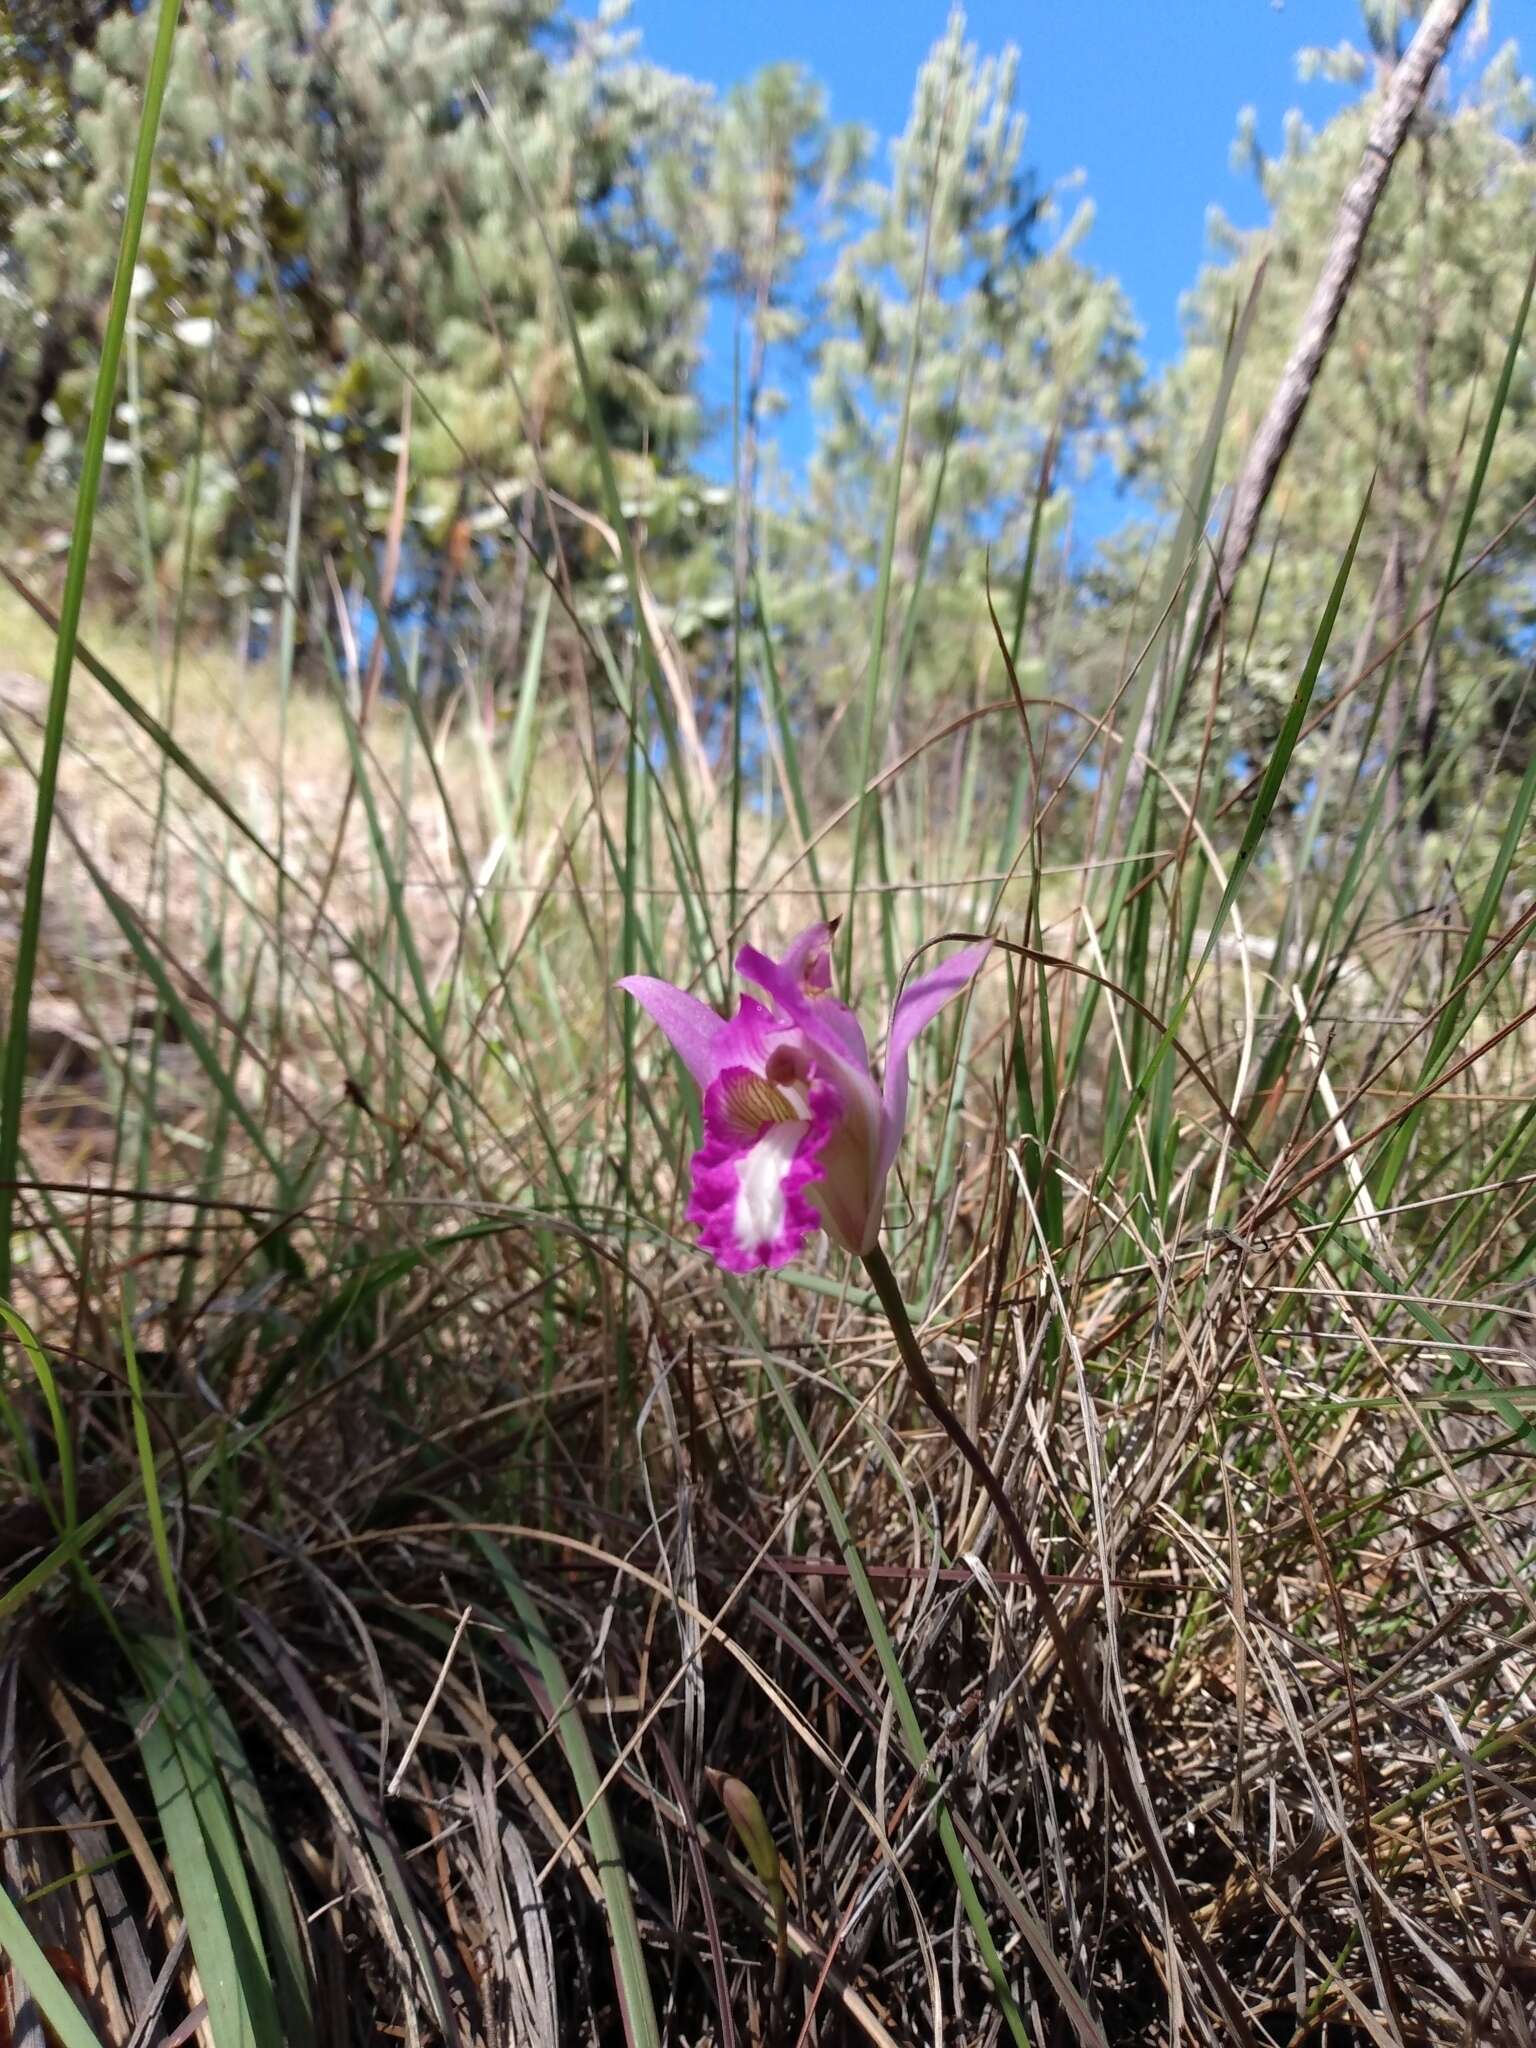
<point x="1116" y="1768"/>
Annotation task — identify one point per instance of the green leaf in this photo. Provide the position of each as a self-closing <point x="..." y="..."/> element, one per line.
<point x="212" y="1887"/>
<point x="41" y="1979"/>
<point x="634" y="1984"/>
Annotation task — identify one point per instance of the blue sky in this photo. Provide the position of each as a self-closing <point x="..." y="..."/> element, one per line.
<point x="1140" y="95"/>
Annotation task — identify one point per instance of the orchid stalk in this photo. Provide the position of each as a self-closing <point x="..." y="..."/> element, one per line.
<point x="798" y="1138"/>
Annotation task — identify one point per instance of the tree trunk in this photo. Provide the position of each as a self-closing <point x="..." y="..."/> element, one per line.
<point x="1277" y="429"/>
<point x="1427" y="695"/>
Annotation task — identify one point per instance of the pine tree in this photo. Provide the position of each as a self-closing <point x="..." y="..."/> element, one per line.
<point x="340" y="209"/>
<point x="1016" y="340"/>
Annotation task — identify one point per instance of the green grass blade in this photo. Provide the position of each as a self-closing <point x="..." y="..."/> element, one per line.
<point x="877" y="631"/>
<point x="1181" y="572"/>
<point x="388" y="867"/>
<point x="1484" y="454"/>
<point x="1253" y="834"/>
<point x="634" y="1984"/>
<point x="285" y="1942"/>
<point x="738" y="599"/>
<point x="694" y="872"/>
<point x="13" y="1071"/>
<point x="66" y="1550"/>
<point x="520" y="751"/>
<point x="53" y="2001"/>
<point x="48" y="1385"/>
<point x="149" y="1474"/>
<point x="211" y="1883"/>
<point x="1456" y="1016"/>
<point x="191" y="1031"/>
<point x="789" y="752"/>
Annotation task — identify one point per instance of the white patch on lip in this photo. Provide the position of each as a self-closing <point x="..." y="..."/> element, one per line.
<point x="758" y="1218"/>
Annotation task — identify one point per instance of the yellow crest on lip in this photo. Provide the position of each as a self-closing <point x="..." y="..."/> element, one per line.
<point x="750" y="1102"/>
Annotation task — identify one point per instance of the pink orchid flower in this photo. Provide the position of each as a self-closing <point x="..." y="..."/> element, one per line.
<point x="797" y="1136"/>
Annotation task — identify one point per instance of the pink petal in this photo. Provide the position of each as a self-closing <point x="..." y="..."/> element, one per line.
<point x="750" y="1038"/>
<point x="808" y="961"/>
<point x="751" y="1174"/>
<point x="693" y="1027"/>
<point x="916" y="1007"/>
<point x="830" y="1027"/>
